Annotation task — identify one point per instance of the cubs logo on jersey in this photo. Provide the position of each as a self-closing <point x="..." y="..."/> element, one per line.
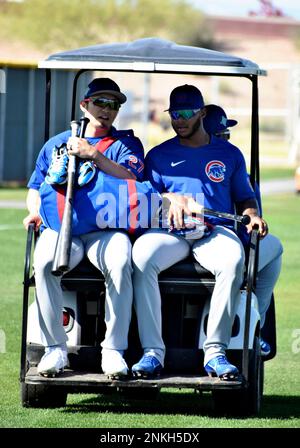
<point x="215" y="170"/>
<point x="135" y="163"/>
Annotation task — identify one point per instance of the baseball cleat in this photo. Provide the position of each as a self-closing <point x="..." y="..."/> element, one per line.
<point x="265" y="348"/>
<point x="148" y="366"/>
<point x="58" y="170"/>
<point x="86" y="172"/>
<point x="53" y="362"/>
<point x="113" y="364"/>
<point x="219" y="366"/>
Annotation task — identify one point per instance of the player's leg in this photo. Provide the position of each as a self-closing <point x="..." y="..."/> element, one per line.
<point x="222" y="254"/>
<point x="110" y="252"/>
<point x="49" y="297"/>
<point x="269" y="267"/>
<point x="153" y="252"/>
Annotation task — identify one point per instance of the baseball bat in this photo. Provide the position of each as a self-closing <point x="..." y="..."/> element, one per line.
<point x="61" y="259"/>
<point x="244" y="219"/>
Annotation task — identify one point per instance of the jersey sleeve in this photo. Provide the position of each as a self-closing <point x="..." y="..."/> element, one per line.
<point x="131" y="156"/>
<point x="241" y="187"/>
<point x="40" y="171"/>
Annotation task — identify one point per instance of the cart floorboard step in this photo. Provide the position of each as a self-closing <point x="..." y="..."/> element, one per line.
<point x="85" y="379"/>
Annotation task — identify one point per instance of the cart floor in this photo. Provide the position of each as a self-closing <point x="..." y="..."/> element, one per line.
<point x="82" y="379"/>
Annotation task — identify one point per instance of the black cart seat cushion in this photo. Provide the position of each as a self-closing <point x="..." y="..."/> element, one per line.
<point x="187" y="268"/>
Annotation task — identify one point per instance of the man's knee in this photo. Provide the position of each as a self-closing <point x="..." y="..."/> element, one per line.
<point x="237" y="265"/>
<point x="276" y="245"/>
<point x="119" y="263"/>
<point x="233" y="265"/>
<point x="270" y="249"/>
<point x="42" y="263"/>
<point x="142" y="259"/>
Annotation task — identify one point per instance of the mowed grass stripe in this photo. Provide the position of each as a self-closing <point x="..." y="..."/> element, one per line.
<point x="173" y="408"/>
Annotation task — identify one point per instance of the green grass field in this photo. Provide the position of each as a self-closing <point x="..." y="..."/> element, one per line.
<point x="266" y="173"/>
<point x="173" y="408"/>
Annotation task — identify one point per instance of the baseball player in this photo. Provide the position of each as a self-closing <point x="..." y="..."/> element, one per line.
<point x="194" y="162"/>
<point x="123" y="159"/>
<point x="270" y="250"/>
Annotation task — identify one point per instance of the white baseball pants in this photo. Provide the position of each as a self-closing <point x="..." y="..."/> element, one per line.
<point x="110" y="252"/>
<point x="222" y="254"/>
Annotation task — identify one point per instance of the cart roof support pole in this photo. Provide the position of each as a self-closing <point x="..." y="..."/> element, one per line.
<point x="47" y="105"/>
<point x="254" y="163"/>
<point x="74" y="95"/>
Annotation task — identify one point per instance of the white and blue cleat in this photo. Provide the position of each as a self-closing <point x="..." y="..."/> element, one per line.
<point x="86" y="172"/>
<point x="58" y="171"/>
<point x="148" y="366"/>
<point x="219" y="366"/>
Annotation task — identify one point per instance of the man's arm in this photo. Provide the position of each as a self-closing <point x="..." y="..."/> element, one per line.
<point x="33" y="204"/>
<point x="81" y="148"/>
<point x="112" y="168"/>
<point x="250" y="207"/>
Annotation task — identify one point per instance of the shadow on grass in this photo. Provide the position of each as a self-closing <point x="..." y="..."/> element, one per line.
<point x="280" y="406"/>
<point x="165" y="403"/>
<point x="176" y="403"/>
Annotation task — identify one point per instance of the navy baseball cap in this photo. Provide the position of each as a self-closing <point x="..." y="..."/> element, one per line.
<point x="216" y="119"/>
<point x="105" y="85"/>
<point x="186" y="97"/>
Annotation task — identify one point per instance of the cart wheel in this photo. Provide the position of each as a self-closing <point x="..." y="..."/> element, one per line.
<point x="245" y="401"/>
<point x="42" y="396"/>
<point x="139" y="393"/>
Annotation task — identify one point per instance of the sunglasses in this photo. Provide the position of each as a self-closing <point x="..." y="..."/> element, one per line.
<point x="105" y="102"/>
<point x="186" y="114"/>
<point x="224" y="134"/>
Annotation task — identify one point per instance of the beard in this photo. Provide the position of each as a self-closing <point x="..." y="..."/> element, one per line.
<point x="194" y="129"/>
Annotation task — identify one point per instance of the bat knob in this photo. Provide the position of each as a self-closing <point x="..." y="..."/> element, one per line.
<point x="84" y="122"/>
<point x="246" y="220"/>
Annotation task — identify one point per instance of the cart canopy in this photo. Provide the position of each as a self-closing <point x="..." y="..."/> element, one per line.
<point x="152" y="55"/>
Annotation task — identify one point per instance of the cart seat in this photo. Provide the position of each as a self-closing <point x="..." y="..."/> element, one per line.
<point x="185" y="273"/>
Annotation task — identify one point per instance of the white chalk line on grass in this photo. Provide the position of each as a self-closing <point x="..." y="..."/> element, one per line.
<point x="12" y="204"/>
<point x="11" y="227"/>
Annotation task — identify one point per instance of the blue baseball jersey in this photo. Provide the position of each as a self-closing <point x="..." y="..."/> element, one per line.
<point x="127" y="150"/>
<point x="217" y="170"/>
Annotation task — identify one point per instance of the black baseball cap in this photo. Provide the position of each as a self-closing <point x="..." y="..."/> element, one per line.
<point x="186" y="97"/>
<point x="216" y="119"/>
<point x="105" y="85"/>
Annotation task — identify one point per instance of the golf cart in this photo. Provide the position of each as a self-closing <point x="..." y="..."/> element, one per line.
<point x="186" y="287"/>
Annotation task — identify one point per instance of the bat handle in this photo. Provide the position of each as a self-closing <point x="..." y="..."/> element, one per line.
<point x="84" y="122"/>
<point x="245" y="220"/>
<point x="75" y="125"/>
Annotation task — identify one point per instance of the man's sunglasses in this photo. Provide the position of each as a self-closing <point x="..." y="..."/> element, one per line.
<point x="224" y="134"/>
<point x="186" y="114"/>
<point x="105" y="102"/>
